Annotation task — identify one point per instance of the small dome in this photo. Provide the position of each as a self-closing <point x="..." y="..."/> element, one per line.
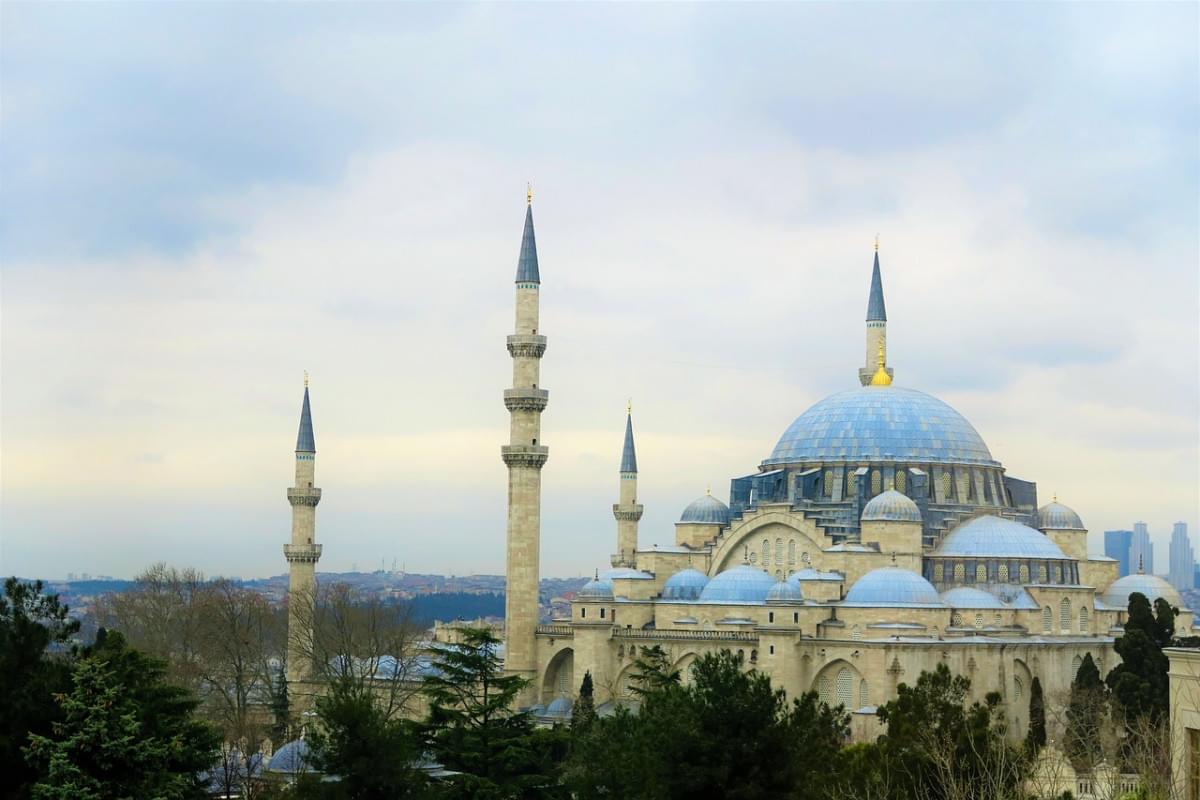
<point x="708" y="510"/>
<point x="966" y="597"/>
<point x="687" y="584"/>
<point x="291" y="758"/>
<point x="1056" y="516"/>
<point x="785" y="592"/>
<point x="741" y="584"/>
<point x="598" y="589"/>
<point x="891" y="506"/>
<point x="888" y="586"/>
<point x="559" y="707"/>
<point x="1152" y="586"/>
<point x="997" y="537"/>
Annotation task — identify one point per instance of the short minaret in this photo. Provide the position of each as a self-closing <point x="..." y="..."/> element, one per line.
<point x="876" y="325"/>
<point x="524" y="455"/>
<point x="303" y="552"/>
<point x="628" y="511"/>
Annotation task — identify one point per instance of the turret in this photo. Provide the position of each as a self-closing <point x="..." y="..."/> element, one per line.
<point x="303" y="552"/>
<point x="524" y="456"/>
<point x="627" y="512"/>
<point x="876" y="326"/>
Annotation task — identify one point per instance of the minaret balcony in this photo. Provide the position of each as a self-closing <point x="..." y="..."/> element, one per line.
<point x="308" y="496"/>
<point x="526" y="399"/>
<point x="631" y="513"/>
<point x="526" y="345"/>
<point x="525" y="455"/>
<point x="302" y="553"/>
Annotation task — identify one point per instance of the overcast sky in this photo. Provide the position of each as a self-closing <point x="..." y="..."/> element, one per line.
<point x="202" y="201"/>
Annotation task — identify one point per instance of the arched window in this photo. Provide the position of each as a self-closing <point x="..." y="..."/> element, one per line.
<point x="855" y="633"/>
<point x="849" y="483"/>
<point x="947" y="485"/>
<point x="1018" y="689"/>
<point x="981" y="573"/>
<point x="1058" y="574"/>
<point x="901" y="481"/>
<point x="956" y="619"/>
<point x="1083" y="619"/>
<point x="791" y="552"/>
<point x="823" y="690"/>
<point x="753" y="656"/>
<point x="766" y="551"/>
<point x="1042" y="576"/>
<point x="864" y="697"/>
<point x="1047" y="620"/>
<point x="806" y="558"/>
<point x="938" y="572"/>
<point x="829" y="483"/>
<point x="1002" y="574"/>
<point x="754" y="558"/>
<point x="1076" y="663"/>
<point x="845" y="685"/>
<point x="1064" y="614"/>
<point x="978" y="620"/>
<point x="779" y="574"/>
<point x="779" y="551"/>
<point x="876" y="482"/>
<point x="1024" y="573"/>
<point x="996" y="619"/>
<point x="960" y="572"/>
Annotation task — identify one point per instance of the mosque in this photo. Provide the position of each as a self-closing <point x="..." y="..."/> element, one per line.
<point x="878" y="538"/>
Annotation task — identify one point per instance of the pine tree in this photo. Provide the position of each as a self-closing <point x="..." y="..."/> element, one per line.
<point x="584" y="710"/>
<point x="1085" y="711"/>
<point x="1036" y="738"/>
<point x="652" y="672"/>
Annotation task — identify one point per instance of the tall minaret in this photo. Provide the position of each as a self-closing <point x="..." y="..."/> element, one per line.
<point x="524" y="456"/>
<point x="876" y="325"/>
<point x="628" y="511"/>
<point x="302" y="554"/>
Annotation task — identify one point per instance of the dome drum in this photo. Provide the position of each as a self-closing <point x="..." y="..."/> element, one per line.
<point x="948" y="573"/>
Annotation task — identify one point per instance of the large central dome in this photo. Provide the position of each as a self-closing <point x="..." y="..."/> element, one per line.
<point x="881" y="423"/>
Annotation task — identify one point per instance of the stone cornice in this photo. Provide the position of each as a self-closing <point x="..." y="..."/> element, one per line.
<point x="302" y="553"/>
<point x="526" y="346"/>
<point x="527" y="456"/>
<point x="526" y="399"/>
<point x="627" y="513"/>
<point x="304" y="497"/>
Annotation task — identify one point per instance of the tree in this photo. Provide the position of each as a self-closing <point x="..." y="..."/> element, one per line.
<point x="1035" y="739"/>
<point x="1139" y="683"/>
<point x="124" y="732"/>
<point x="584" y="710"/>
<point x="653" y="672"/>
<point x="281" y="719"/>
<point x="473" y="728"/>
<point x="31" y="624"/>
<point x="1085" y="713"/>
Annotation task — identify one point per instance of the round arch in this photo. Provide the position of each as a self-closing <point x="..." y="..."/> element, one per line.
<point x="840" y="683"/>
<point x="770" y="526"/>
<point x="684" y="667"/>
<point x="559" y="678"/>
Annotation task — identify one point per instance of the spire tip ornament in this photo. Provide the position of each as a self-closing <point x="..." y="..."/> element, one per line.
<point x="305" y="379"/>
<point x="877" y="243"/>
<point x="528" y="193"/>
<point x="881" y="377"/>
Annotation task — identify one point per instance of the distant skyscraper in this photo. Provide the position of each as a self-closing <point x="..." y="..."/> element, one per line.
<point x="1183" y="561"/>
<point x="1116" y="545"/>
<point x="1141" y="550"/>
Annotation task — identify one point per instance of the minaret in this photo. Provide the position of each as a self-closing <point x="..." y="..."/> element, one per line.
<point x="524" y="456"/>
<point x="302" y="554"/>
<point x="628" y="511"/>
<point x="876" y="325"/>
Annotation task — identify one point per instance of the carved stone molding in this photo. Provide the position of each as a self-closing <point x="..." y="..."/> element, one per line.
<point x="304" y="497"/>
<point x="526" y="346"/>
<point x="528" y="456"/>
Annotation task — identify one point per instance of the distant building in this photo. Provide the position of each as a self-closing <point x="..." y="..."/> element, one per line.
<point x="1183" y="561"/>
<point x="1116" y="545"/>
<point x="1141" y="550"/>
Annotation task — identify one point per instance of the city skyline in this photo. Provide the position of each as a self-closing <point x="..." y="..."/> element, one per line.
<point x="165" y="290"/>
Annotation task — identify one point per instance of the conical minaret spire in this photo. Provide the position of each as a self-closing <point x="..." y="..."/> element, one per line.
<point x="525" y="455"/>
<point x="303" y="552"/>
<point x="876" y="327"/>
<point x="627" y="512"/>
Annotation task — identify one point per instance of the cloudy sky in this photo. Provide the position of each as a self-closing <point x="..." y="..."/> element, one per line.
<point x="202" y="201"/>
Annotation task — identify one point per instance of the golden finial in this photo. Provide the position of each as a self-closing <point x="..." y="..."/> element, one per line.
<point x="629" y="406"/>
<point x="877" y="243"/>
<point x="529" y="194"/>
<point x="708" y="490"/>
<point x="1055" y="497"/>
<point x="881" y="377"/>
<point x="305" y="379"/>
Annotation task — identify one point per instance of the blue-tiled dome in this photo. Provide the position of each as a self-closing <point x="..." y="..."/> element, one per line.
<point x="966" y="597"/>
<point x="891" y="506"/>
<point x="706" y="510"/>
<point x="890" y="586"/>
<point x="1152" y="586"/>
<point x="291" y="758"/>
<point x="1056" y="516"/>
<point x="785" y="592"/>
<point x="741" y="584"/>
<point x="598" y="589"/>
<point x="559" y="707"/>
<point x="874" y="423"/>
<point x="999" y="538"/>
<point x="687" y="584"/>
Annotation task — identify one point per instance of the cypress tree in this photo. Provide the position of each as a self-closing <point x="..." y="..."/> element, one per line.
<point x="1139" y="683"/>
<point x="584" y="710"/>
<point x="1084" y="713"/>
<point x="1036" y="739"/>
<point x="280" y="710"/>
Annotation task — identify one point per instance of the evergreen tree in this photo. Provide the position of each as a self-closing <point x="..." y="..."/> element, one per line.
<point x="473" y="728"/>
<point x="31" y="625"/>
<point x="280" y="710"/>
<point x="124" y="733"/>
<point x="1085" y="711"/>
<point x="652" y="671"/>
<point x="584" y="710"/>
<point x="1139" y="683"/>
<point x="1035" y="739"/>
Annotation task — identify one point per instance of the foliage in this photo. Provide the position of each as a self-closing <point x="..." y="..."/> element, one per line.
<point x="474" y="730"/>
<point x="652" y="672"/>
<point x="1139" y="683"/>
<point x="124" y="732"/>
<point x="30" y="624"/>
<point x="1085" y="715"/>
<point x="1035" y="739"/>
<point x="584" y="710"/>
<point x="726" y="734"/>
<point x="281" y="720"/>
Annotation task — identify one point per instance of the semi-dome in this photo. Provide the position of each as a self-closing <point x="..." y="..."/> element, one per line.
<point x="687" y="584"/>
<point x="597" y="589"/>
<point x="999" y="538"/>
<point x="891" y="506"/>
<point x="741" y="584"/>
<point x="785" y="592"/>
<point x="559" y="707"/>
<point x="881" y="423"/>
<point x="293" y="757"/>
<point x="1056" y="516"/>
<point x="708" y="510"/>
<point x="888" y="586"/>
<point x="1152" y="586"/>
<point x="966" y="597"/>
